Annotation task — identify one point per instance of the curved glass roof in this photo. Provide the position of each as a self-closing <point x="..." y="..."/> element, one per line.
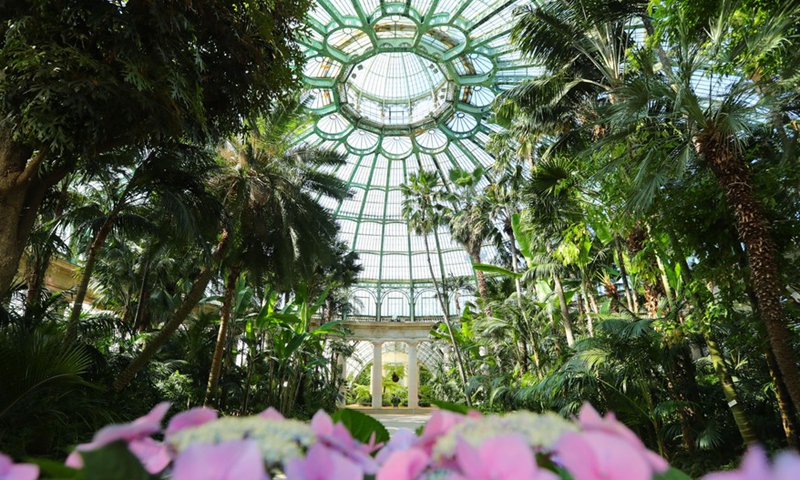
<point x="395" y="88"/>
<point x="401" y="87"/>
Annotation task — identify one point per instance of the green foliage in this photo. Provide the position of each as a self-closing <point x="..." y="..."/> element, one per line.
<point x="451" y="407"/>
<point x="176" y="71"/>
<point x="672" y="474"/>
<point x="35" y="366"/>
<point x="363" y="427"/>
<point x="108" y="461"/>
<point x="47" y="398"/>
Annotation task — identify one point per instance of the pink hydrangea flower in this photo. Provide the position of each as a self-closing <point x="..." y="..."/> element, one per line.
<point x="190" y="418"/>
<point x="787" y="466"/>
<point x="404" y="465"/>
<point x="591" y="421"/>
<point x="601" y="456"/>
<point x="337" y="437"/>
<point x="271" y="414"/>
<point x="755" y="466"/>
<point x="322" y="463"/>
<point x="506" y="457"/>
<point x="153" y="455"/>
<point x="402" y="439"/>
<point x="17" y="471"/>
<point x="440" y="423"/>
<point x="238" y="460"/>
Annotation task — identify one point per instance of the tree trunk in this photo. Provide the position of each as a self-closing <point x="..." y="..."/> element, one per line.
<point x="784" y="403"/>
<point x="139" y="318"/>
<point x="781" y="395"/>
<point x="665" y="282"/>
<point x="612" y="294"/>
<point x="562" y="302"/>
<point x="35" y="280"/>
<point x="729" y="390"/>
<point x="717" y="360"/>
<point x="518" y="286"/>
<point x="481" y="277"/>
<point x="682" y="387"/>
<point x="190" y="301"/>
<point x="222" y="336"/>
<point x="21" y="193"/>
<point x="86" y="275"/>
<point x="447" y="321"/>
<point x="787" y="411"/>
<point x="754" y="232"/>
<point x="247" y="383"/>
<point x="624" y="274"/>
<point x="652" y="298"/>
<point x="588" y="305"/>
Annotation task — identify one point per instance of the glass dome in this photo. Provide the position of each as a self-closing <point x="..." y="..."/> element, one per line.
<point x="401" y="87"/>
<point x="395" y="88"/>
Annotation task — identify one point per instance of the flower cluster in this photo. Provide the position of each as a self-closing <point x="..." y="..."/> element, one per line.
<point x="197" y="445"/>
<point x="514" y="446"/>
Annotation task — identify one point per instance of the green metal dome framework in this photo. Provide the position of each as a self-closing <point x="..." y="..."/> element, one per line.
<point x="402" y="87"/>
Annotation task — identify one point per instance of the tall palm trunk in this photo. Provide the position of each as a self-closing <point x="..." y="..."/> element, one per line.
<point x="483" y="291"/>
<point x="682" y="387"/>
<point x="446" y="318"/>
<point x="624" y="274"/>
<point x="562" y="302"/>
<point x="729" y="390"/>
<point x="665" y="282"/>
<point x="781" y="396"/>
<point x="139" y="317"/>
<point x="589" y="305"/>
<point x="222" y="335"/>
<point x="518" y="286"/>
<point x="784" y="403"/>
<point x="754" y="232"/>
<point x="86" y="275"/>
<point x="714" y="353"/>
<point x="190" y="301"/>
<point x="653" y="292"/>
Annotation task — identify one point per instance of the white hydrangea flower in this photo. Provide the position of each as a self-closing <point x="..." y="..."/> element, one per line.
<point x="279" y="440"/>
<point x="539" y="430"/>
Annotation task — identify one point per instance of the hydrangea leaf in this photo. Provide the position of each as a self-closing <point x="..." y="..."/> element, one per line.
<point x="108" y="461"/>
<point x="672" y="474"/>
<point x="361" y="426"/>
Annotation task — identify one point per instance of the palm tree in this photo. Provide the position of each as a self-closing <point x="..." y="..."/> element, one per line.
<point x="713" y="129"/>
<point x="269" y="190"/>
<point x="583" y="45"/>
<point x="469" y="218"/>
<point x="169" y="179"/>
<point x="421" y="210"/>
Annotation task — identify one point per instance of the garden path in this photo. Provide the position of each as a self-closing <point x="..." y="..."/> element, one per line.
<point x="394" y="422"/>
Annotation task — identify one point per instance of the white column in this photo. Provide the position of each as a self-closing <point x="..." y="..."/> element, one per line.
<point x="341" y="364"/>
<point x="413" y="376"/>
<point x="377" y="375"/>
